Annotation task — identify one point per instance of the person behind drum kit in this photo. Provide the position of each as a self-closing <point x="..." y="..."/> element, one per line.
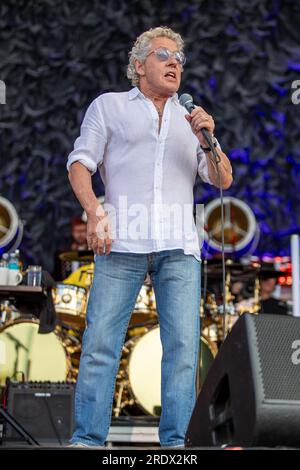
<point x="148" y="151"/>
<point x="78" y="242"/>
<point x="268" y="278"/>
<point x="78" y="232"/>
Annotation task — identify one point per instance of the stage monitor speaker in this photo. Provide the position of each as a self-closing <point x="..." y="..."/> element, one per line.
<point x="251" y="395"/>
<point x="44" y="409"/>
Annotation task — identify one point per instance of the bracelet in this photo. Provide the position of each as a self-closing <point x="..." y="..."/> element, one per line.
<point x="208" y="149"/>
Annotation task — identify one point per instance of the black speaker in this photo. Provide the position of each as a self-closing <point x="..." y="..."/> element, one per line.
<point x="44" y="409"/>
<point x="251" y="395"/>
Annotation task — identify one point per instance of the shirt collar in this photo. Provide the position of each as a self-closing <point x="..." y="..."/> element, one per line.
<point x="134" y="92"/>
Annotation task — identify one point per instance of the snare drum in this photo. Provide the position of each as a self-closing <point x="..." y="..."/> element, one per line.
<point x="70" y="303"/>
<point x="141" y="371"/>
<point x="37" y="357"/>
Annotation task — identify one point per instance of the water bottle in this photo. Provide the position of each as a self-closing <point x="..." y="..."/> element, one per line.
<point x="14" y="274"/>
<point x="13" y="262"/>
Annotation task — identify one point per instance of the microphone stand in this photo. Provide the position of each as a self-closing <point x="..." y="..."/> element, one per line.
<point x="8" y="418"/>
<point x="208" y="139"/>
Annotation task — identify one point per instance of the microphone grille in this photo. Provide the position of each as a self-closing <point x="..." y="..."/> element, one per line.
<point x="185" y="98"/>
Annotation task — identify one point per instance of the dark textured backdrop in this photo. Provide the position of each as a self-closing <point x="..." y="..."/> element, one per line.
<point x="55" y="57"/>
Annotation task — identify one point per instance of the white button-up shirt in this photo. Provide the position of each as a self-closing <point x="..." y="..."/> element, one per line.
<point x="149" y="174"/>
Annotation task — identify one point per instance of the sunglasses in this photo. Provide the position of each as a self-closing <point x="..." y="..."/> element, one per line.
<point x="163" y="54"/>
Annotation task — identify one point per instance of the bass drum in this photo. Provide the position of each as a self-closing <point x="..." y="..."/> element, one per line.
<point x="26" y="354"/>
<point x="141" y="371"/>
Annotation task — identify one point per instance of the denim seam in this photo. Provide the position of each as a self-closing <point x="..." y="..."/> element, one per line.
<point x="196" y="356"/>
<point x="118" y="365"/>
<point x="78" y="401"/>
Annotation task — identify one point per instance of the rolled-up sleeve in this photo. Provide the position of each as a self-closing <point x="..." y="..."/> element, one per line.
<point x="89" y="146"/>
<point x="202" y="164"/>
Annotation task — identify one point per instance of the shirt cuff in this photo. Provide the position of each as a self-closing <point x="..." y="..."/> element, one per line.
<point x="84" y="160"/>
<point x="203" y="167"/>
<point x="203" y="171"/>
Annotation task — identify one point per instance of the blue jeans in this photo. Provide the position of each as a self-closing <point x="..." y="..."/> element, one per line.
<point x="117" y="281"/>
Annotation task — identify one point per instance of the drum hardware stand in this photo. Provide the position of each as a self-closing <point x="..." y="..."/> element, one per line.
<point x="257" y="305"/>
<point x="18" y="427"/>
<point x="122" y="384"/>
<point x="5" y="310"/>
<point x="229" y="298"/>
<point x="122" y="403"/>
<point x="117" y="409"/>
<point x="228" y="303"/>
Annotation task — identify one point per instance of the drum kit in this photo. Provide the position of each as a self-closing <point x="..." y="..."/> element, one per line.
<point x="242" y="295"/>
<point x="55" y="356"/>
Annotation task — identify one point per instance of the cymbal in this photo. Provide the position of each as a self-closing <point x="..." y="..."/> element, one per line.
<point x="268" y="270"/>
<point x="238" y="271"/>
<point x="77" y="255"/>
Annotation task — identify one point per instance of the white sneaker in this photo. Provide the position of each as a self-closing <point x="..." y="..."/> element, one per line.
<point x="78" y="444"/>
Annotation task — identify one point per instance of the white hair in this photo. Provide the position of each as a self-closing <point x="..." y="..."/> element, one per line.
<point x="142" y="47"/>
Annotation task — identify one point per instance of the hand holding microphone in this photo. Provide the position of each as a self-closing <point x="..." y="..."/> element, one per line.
<point x="201" y="122"/>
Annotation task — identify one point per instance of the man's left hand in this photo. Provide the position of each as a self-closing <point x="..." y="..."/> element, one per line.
<point x="198" y="119"/>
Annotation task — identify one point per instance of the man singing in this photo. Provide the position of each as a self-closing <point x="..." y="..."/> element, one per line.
<point x="148" y="151"/>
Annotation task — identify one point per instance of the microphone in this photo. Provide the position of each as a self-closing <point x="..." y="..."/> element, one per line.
<point x="186" y="101"/>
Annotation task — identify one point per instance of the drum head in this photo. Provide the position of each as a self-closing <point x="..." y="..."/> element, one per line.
<point x="39" y="357"/>
<point x="144" y="369"/>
